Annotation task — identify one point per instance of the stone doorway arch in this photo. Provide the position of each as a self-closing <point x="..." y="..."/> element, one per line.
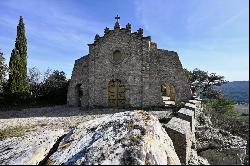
<point x="168" y="93"/>
<point x="116" y="93"/>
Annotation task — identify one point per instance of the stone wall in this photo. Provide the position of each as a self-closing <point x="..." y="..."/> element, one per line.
<point x="80" y="76"/>
<point x="165" y="67"/>
<point x="181" y="129"/>
<point x="217" y="146"/>
<point x="180" y="133"/>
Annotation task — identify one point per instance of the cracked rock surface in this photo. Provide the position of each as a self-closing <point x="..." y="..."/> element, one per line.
<point x="122" y="138"/>
<point x="218" y="146"/>
<point x="29" y="149"/>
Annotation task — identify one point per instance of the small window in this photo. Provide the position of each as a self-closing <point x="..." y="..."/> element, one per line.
<point x="117" y="56"/>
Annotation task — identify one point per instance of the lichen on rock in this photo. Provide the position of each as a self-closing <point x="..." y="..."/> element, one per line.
<point x="29" y="149"/>
<point x="122" y="138"/>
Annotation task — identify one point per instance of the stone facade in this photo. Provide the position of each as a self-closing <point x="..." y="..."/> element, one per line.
<point x="128" y="60"/>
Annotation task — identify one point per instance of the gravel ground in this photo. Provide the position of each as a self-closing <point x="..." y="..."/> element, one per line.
<point x="57" y="117"/>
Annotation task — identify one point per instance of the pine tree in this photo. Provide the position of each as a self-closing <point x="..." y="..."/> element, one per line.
<point x="18" y="62"/>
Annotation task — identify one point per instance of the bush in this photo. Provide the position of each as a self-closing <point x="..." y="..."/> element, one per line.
<point x="225" y="116"/>
<point x="223" y="105"/>
<point x="55" y="87"/>
<point x="51" y="91"/>
<point x="18" y="98"/>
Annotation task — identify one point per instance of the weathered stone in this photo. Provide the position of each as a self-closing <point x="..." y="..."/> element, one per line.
<point x="220" y="147"/>
<point x="197" y="160"/>
<point x="191" y="107"/>
<point x="122" y="138"/>
<point x="180" y="133"/>
<point x="197" y="103"/>
<point x="142" y="69"/>
<point x="29" y="149"/>
<point x="106" y="30"/>
<point x="128" y="27"/>
<point x="187" y="115"/>
<point x="224" y="157"/>
<point x="97" y="37"/>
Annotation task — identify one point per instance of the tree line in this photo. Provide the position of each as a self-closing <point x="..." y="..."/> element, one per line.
<point x="26" y="87"/>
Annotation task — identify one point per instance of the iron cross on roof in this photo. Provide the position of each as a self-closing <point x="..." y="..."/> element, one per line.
<point x="117" y="18"/>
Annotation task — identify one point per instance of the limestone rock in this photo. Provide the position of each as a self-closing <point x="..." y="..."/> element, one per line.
<point x="219" y="146"/>
<point x="180" y="133"/>
<point x="29" y="149"/>
<point x="197" y="160"/>
<point x="122" y="138"/>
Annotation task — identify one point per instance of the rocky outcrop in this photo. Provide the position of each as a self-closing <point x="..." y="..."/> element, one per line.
<point x="29" y="149"/>
<point x="218" y="146"/>
<point x="122" y="138"/>
<point x="196" y="160"/>
<point x="183" y="137"/>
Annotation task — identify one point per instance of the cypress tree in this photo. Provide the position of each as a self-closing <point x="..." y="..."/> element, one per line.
<point x="18" y="62"/>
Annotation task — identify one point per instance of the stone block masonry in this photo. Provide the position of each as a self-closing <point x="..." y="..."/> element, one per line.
<point x="192" y="107"/>
<point x="180" y="133"/>
<point x="187" y="115"/>
<point x="181" y="130"/>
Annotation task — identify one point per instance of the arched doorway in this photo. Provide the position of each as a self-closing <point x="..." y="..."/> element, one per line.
<point x="168" y="93"/>
<point x="116" y="93"/>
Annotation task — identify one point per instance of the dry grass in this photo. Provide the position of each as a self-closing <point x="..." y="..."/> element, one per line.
<point x="17" y="131"/>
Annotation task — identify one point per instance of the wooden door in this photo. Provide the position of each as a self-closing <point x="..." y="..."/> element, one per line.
<point x="172" y="93"/>
<point x="116" y="93"/>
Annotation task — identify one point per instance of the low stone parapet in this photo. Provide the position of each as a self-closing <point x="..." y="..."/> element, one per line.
<point x="191" y="107"/>
<point x="188" y="115"/>
<point x="180" y="133"/>
<point x="197" y="103"/>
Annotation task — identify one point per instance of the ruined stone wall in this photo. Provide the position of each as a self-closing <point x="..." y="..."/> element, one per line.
<point x="164" y="67"/>
<point x="171" y="71"/>
<point x="80" y="76"/>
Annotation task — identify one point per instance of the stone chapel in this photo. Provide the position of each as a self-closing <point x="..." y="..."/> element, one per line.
<point x="125" y="69"/>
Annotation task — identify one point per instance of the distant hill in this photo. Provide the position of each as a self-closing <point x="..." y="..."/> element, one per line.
<point x="236" y="90"/>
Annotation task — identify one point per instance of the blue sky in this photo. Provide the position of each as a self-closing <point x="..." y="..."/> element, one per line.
<point x="212" y="35"/>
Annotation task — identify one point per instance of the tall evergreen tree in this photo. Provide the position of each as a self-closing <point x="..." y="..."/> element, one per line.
<point x="3" y="71"/>
<point x="18" y="62"/>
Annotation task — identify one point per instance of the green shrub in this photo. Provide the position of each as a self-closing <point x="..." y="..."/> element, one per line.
<point x="224" y="115"/>
<point x="224" y="105"/>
